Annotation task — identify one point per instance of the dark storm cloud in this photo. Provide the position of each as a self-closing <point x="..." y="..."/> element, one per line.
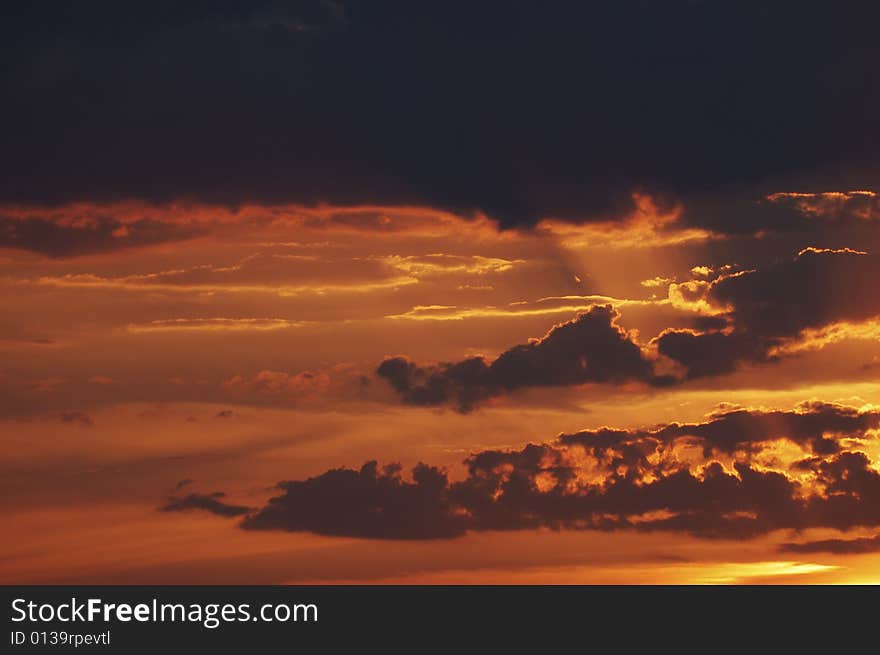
<point x="517" y="109"/>
<point x="589" y="348"/>
<point x="212" y="503"/>
<point x="93" y="234"/>
<point x="607" y="480"/>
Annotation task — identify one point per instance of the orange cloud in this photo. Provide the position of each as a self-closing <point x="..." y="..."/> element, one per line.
<point x="863" y="205"/>
<point x="141" y="283"/>
<point x="215" y="324"/>
<point x="648" y="226"/>
<point x="539" y="307"/>
<point x="818" y="338"/>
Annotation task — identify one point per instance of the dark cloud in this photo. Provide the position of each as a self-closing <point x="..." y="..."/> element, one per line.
<point x="766" y="307"/>
<point x="183" y="483"/>
<point x="814" y="425"/>
<point x="746" y="212"/>
<point x="212" y="503"/>
<point x="589" y="348"/>
<point x="814" y="289"/>
<point x="707" y="354"/>
<point x="516" y="109"/>
<point x="86" y="234"/>
<point x="612" y="479"/>
<point x="836" y="546"/>
<point x="371" y="502"/>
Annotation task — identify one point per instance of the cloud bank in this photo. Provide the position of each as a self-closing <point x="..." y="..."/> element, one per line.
<point x="739" y="474"/>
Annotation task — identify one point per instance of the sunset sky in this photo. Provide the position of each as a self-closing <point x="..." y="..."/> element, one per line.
<point x="343" y="292"/>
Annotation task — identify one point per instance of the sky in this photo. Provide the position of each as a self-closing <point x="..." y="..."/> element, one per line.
<point x="342" y="292"/>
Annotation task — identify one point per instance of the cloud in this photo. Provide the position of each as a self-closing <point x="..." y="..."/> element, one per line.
<point x="819" y="296"/>
<point x="541" y="307"/>
<point x="371" y="502"/>
<point x="650" y="223"/>
<point x="656" y="282"/>
<point x="341" y="382"/>
<point x="439" y="263"/>
<point x="589" y="348"/>
<point x="813" y="425"/>
<point x="212" y="503"/>
<point x="739" y="474"/>
<point x="77" y="235"/>
<point x="835" y="206"/>
<point x="217" y="324"/>
<point x="256" y="273"/>
<point x="280" y="382"/>
<point x="515" y="142"/>
<point x="836" y="546"/>
<point x="816" y="288"/>
<point x="706" y="354"/>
